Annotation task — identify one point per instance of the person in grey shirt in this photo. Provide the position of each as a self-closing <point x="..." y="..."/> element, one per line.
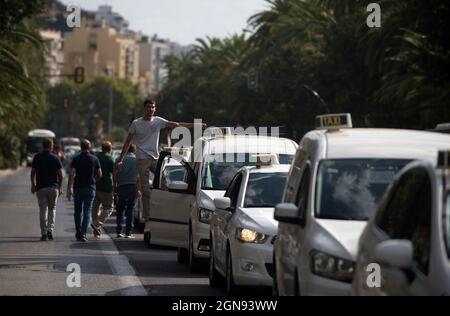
<point x="145" y="133"/>
<point x="128" y="189"/>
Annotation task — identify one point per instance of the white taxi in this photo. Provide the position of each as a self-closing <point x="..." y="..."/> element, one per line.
<point x="243" y="227"/>
<point x="405" y="248"/>
<point x="172" y="170"/>
<point x="338" y="177"/>
<point x="180" y="215"/>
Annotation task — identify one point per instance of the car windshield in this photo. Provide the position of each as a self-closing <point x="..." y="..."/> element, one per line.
<point x="264" y="189"/>
<point x="447" y="225"/>
<point x="219" y="169"/>
<point x="350" y="189"/>
<point x="34" y="145"/>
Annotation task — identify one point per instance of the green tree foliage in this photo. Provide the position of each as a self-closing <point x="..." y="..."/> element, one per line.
<point x="82" y="110"/>
<point x="22" y="102"/>
<point x="393" y="76"/>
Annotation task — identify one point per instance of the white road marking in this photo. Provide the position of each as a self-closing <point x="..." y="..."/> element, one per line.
<point x="120" y="266"/>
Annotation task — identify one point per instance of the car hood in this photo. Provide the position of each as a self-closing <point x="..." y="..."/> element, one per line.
<point x="261" y="219"/>
<point x="339" y="237"/>
<point x="206" y="198"/>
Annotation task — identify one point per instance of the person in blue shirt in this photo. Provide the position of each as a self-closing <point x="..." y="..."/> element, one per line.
<point x="85" y="170"/>
<point x="128" y="189"/>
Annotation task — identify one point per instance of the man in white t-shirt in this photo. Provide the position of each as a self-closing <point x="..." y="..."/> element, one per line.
<point x="145" y="133"/>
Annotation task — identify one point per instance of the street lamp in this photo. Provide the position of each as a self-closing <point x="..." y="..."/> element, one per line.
<point x="317" y="96"/>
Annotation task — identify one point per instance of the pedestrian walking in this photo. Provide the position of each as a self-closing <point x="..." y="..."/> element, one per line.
<point x="144" y="132"/>
<point x="46" y="180"/>
<point x="128" y="189"/>
<point x="104" y="196"/>
<point x="85" y="170"/>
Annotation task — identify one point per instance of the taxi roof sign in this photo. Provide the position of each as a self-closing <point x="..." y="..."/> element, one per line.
<point x="334" y="121"/>
<point x="265" y="159"/>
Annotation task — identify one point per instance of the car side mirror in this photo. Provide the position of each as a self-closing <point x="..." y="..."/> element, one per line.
<point x="222" y="203"/>
<point x="178" y="186"/>
<point x="395" y="253"/>
<point x="287" y="213"/>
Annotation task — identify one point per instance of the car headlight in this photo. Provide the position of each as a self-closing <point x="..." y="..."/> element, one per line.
<point x="250" y="236"/>
<point x="332" y="267"/>
<point x="205" y="216"/>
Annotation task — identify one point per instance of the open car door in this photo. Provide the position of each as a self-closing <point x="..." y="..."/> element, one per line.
<point x="172" y="195"/>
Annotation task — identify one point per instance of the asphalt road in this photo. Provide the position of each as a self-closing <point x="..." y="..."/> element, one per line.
<point x="108" y="266"/>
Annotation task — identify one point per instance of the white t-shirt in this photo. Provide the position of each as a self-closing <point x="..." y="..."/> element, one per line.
<point x="146" y="136"/>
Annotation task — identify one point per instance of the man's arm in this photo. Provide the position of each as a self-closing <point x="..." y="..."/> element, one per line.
<point x="115" y="171"/>
<point x="60" y="181"/>
<point x="171" y="124"/>
<point x="125" y="148"/>
<point x="69" y="183"/>
<point x="33" y="180"/>
<point x="138" y="187"/>
<point x="98" y="174"/>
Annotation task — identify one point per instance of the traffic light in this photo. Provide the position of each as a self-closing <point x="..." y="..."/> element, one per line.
<point x="252" y="79"/>
<point x="180" y="109"/>
<point x="66" y="103"/>
<point x="79" y="75"/>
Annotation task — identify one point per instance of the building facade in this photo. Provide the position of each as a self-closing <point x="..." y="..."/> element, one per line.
<point x="102" y="51"/>
<point x="54" y="55"/>
<point x="152" y="68"/>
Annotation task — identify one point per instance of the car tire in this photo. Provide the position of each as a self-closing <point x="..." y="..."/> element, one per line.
<point x="194" y="263"/>
<point x="215" y="279"/>
<point x="232" y="288"/>
<point x="182" y="255"/>
<point x="147" y="239"/>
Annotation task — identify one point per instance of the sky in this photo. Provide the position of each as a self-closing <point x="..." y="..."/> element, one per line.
<point x="182" y="21"/>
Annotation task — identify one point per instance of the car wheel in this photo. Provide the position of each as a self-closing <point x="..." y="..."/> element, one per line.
<point x="182" y="255"/>
<point x="232" y="288"/>
<point x="215" y="279"/>
<point x="147" y="239"/>
<point x="193" y="262"/>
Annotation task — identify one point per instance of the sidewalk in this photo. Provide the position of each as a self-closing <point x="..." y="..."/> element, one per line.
<point x="8" y="172"/>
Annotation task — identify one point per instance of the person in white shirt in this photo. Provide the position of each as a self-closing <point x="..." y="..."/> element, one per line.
<point x="144" y="132"/>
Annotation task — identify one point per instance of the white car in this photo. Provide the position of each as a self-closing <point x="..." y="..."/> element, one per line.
<point x="337" y="180"/>
<point x="243" y="228"/>
<point x="407" y="242"/>
<point x="180" y="215"/>
<point x="172" y="171"/>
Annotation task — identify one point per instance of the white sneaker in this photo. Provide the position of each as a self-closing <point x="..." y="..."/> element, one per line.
<point x="120" y="235"/>
<point x="130" y="236"/>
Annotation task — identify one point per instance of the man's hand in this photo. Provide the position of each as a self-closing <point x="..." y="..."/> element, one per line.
<point x="119" y="165"/>
<point x="33" y="189"/>
<point x="60" y="192"/>
<point x="138" y="194"/>
<point x="69" y="194"/>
